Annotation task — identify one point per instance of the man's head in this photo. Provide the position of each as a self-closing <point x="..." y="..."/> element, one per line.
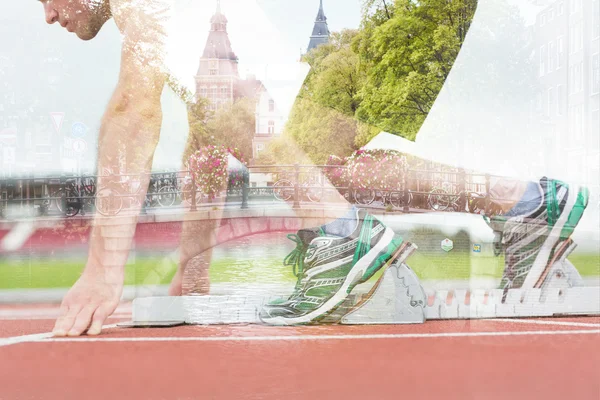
<point x="83" y="17"/>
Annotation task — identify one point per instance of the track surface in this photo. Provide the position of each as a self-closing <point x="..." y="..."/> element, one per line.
<point x="492" y="359"/>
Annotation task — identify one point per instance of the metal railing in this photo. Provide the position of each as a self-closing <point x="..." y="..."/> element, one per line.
<point x="418" y="189"/>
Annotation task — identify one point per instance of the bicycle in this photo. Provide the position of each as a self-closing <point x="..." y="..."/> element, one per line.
<point x="161" y="191"/>
<point x="77" y="197"/>
<point x="283" y="190"/>
<point x="109" y="198"/>
<point x="441" y="198"/>
<point x="395" y="198"/>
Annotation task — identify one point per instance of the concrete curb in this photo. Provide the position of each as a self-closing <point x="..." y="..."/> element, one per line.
<point x="30" y="296"/>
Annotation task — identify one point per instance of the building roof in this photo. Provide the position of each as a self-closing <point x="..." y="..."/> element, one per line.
<point x="320" y="32"/>
<point x="217" y="43"/>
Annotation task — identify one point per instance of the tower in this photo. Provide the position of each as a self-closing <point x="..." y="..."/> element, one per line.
<point x="320" y="33"/>
<point x="217" y="77"/>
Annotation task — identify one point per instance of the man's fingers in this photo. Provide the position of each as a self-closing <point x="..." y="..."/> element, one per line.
<point x="82" y="321"/>
<point x="100" y="315"/>
<point x="65" y="321"/>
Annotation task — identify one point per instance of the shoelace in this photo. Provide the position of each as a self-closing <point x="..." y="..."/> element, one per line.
<point x="296" y="257"/>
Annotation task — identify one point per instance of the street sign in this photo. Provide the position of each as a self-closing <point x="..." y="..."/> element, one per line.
<point x="78" y="129"/>
<point x="79" y="146"/>
<point x="57" y="120"/>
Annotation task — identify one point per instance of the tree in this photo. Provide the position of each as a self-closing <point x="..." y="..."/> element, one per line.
<point x="198" y="135"/>
<point x="320" y="131"/>
<point x="335" y="78"/>
<point x="407" y="57"/>
<point x="234" y="126"/>
<point x="231" y="126"/>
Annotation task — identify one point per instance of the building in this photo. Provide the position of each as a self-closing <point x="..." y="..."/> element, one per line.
<point x="567" y="47"/>
<point x="320" y="33"/>
<point x="269" y="122"/>
<point x="218" y="78"/>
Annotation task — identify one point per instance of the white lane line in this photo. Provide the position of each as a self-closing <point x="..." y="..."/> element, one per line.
<point x="37" y="337"/>
<point x="542" y="322"/>
<point x="26" y="338"/>
<point x="319" y="337"/>
<point x="51" y="317"/>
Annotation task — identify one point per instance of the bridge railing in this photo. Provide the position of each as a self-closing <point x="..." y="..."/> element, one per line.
<point x="421" y="187"/>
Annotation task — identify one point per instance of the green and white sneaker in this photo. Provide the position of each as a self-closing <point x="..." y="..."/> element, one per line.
<point x="535" y="241"/>
<point x="330" y="265"/>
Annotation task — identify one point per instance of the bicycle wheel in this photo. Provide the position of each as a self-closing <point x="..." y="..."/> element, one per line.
<point x="283" y="190"/>
<point x="401" y="199"/>
<point x="438" y="200"/>
<point x="166" y="196"/>
<point x="314" y="193"/>
<point x="364" y="196"/>
<point x="108" y="201"/>
<point x="72" y="202"/>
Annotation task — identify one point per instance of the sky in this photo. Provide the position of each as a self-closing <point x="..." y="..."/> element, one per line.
<point x="268" y="37"/>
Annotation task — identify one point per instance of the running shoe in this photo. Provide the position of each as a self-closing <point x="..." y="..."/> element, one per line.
<point x="329" y="265"/>
<point x="532" y="243"/>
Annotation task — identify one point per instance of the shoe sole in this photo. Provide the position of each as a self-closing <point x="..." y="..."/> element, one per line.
<point x="354" y="277"/>
<point x="405" y="250"/>
<point x="556" y="239"/>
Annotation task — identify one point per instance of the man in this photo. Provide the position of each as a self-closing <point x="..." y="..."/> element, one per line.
<point x="130" y="130"/>
<point x="329" y="260"/>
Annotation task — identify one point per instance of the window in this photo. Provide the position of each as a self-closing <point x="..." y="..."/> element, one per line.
<point x="560" y="8"/>
<point x="543" y="57"/>
<point x="259" y="147"/>
<point x="550" y="14"/>
<point x="550" y="105"/>
<point x="551" y="56"/>
<point x="542" y="19"/>
<point x="203" y="92"/>
<point x="213" y="72"/>
<point x="596" y="19"/>
<point x="560" y="98"/>
<point x="576" y="37"/>
<point x="271" y="127"/>
<point x="560" y="52"/>
<point x="595" y="71"/>
<point x="576" y="78"/>
<point x="271" y="105"/>
<point x="576" y="122"/>
<point x="224" y="91"/>
<point x="580" y="77"/>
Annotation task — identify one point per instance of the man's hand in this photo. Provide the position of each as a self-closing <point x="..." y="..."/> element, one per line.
<point x="129" y="135"/>
<point x="92" y="299"/>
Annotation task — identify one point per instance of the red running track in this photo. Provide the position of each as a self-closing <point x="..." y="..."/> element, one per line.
<point x="524" y="359"/>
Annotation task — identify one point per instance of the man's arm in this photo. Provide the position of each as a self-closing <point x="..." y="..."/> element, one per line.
<point x="129" y="132"/>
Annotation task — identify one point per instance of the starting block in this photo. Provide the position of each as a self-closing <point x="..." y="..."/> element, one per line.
<point x="396" y="298"/>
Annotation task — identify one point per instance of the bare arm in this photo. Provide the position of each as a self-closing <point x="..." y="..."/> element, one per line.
<point x="130" y="131"/>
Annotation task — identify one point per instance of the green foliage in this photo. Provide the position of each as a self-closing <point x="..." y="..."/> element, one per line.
<point x="321" y="131"/>
<point x="198" y="136"/>
<point x="407" y="58"/>
<point x="386" y="75"/>
<point x="231" y="126"/>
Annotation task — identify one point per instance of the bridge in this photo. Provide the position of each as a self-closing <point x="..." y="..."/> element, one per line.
<point x="164" y="229"/>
